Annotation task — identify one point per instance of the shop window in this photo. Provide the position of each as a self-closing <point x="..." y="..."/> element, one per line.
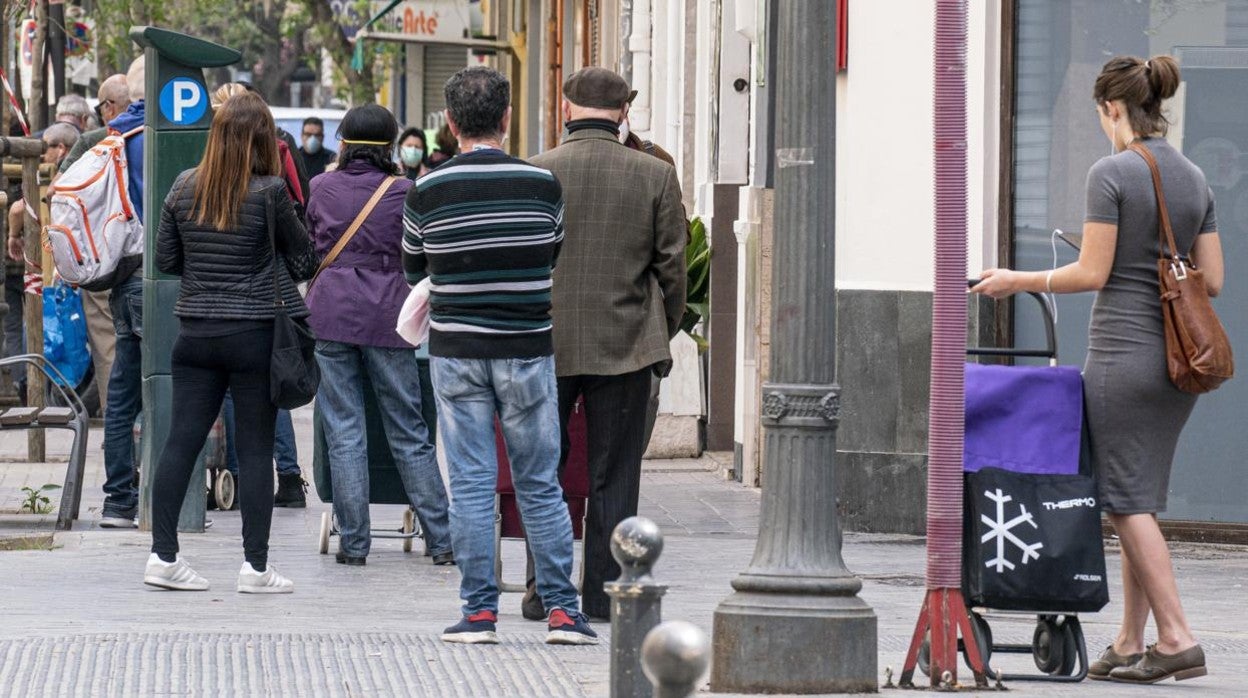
<point x="1059" y="49"/>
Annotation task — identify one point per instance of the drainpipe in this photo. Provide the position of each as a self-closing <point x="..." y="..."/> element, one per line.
<point x="639" y="46"/>
<point x="626" y="34"/>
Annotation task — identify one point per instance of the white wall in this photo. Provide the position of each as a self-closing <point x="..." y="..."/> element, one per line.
<point x="885" y="167"/>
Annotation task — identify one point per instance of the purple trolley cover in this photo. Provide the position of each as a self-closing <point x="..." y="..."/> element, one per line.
<point x="1025" y="419"/>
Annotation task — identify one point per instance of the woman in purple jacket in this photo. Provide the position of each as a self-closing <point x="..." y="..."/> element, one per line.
<point x="355" y="304"/>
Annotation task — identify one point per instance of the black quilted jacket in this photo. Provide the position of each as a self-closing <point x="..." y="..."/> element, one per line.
<point x="228" y="274"/>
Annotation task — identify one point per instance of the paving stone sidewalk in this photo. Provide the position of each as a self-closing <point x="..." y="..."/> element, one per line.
<point x="75" y="620"/>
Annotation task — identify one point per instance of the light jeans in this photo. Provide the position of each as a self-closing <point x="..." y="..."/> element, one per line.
<point x="523" y="394"/>
<point x="340" y="398"/>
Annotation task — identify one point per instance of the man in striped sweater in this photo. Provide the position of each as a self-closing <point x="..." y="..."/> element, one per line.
<point x="486" y="228"/>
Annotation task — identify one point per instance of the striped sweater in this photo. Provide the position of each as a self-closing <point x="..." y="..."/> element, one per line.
<point x="486" y="228"/>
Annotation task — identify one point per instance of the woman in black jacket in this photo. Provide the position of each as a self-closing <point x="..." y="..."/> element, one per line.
<point x="214" y="234"/>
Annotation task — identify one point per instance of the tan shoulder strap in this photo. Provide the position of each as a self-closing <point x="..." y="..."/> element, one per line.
<point x="355" y="226"/>
<point x="1166" y="233"/>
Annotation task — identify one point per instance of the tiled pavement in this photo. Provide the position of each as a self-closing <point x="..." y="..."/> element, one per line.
<point x="76" y="620"/>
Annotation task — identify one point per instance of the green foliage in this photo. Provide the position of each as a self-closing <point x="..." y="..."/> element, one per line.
<point x="274" y="37"/>
<point x="698" y="270"/>
<point x="36" y="501"/>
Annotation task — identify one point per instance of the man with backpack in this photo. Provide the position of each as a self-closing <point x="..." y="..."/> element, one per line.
<point x="125" y="385"/>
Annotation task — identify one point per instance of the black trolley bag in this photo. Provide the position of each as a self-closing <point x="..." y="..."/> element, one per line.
<point x="1032" y="542"/>
<point x="385" y="486"/>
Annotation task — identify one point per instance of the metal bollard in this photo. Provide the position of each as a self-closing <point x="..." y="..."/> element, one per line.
<point x="636" y="603"/>
<point x="675" y="657"/>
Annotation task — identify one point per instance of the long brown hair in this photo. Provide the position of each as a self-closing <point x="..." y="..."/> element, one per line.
<point x="241" y="142"/>
<point x="1141" y="85"/>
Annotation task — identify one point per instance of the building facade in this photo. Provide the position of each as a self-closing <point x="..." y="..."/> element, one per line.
<point x="1032" y="137"/>
<point x="704" y="73"/>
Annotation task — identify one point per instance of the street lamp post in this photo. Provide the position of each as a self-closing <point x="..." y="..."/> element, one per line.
<point x="795" y="623"/>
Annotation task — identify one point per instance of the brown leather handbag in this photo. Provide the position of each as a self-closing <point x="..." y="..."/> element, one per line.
<point x="1198" y="353"/>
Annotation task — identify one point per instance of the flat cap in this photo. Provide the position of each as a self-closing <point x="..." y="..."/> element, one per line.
<point x="596" y="87"/>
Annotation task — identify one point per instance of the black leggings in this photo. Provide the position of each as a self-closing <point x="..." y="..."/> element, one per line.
<point x="203" y="367"/>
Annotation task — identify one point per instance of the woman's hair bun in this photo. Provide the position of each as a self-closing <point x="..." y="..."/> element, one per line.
<point x="1163" y="76"/>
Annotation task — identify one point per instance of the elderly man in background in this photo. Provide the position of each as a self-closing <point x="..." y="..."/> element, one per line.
<point x="60" y="138"/>
<point x="73" y="109"/>
<point x="619" y="294"/>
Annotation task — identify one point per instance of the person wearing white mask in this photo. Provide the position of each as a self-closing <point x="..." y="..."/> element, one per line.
<point x="413" y="149"/>
<point x="315" y="155"/>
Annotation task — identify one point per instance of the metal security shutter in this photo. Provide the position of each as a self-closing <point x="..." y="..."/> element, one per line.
<point x="441" y="62"/>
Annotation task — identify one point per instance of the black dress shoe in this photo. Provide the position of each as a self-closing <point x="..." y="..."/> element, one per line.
<point x="344" y="559"/>
<point x="447" y="558"/>
<point x="531" y="606"/>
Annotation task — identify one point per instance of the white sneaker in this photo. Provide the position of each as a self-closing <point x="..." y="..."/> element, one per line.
<point x="267" y="582"/>
<point x="176" y="575"/>
<point x="118" y="522"/>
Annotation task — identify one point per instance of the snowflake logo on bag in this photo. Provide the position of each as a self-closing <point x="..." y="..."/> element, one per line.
<point x="1002" y="531"/>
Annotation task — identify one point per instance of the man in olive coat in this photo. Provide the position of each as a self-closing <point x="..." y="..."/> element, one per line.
<point x="619" y="294"/>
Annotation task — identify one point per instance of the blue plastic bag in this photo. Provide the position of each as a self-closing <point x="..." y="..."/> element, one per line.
<point x="65" y="332"/>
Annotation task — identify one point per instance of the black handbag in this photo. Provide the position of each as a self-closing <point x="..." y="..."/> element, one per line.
<point x="1033" y="542"/>
<point x="293" y="373"/>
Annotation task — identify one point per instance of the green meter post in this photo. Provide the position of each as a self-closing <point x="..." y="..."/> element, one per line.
<point x="178" y="115"/>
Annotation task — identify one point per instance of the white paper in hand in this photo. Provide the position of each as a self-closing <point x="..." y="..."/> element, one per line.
<point x="413" y="325"/>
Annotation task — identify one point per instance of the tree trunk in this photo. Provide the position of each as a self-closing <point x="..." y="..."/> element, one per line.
<point x="362" y="83"/>
<point x="37" y="100"/>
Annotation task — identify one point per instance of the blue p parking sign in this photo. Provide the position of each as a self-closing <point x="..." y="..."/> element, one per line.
<point x="183" y="101"/>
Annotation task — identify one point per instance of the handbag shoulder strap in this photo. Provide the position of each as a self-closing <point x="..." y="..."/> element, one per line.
<point x="1166" y="233"/>
<point x="355" y="226"/>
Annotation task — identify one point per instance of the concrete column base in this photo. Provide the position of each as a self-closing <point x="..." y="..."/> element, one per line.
<point x="813" y="644"/>
<point x="675" y="436"/>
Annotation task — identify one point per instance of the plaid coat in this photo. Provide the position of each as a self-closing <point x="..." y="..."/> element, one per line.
<point x="619" y="286"/>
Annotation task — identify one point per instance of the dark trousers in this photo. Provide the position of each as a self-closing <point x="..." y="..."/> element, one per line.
<point x="203" y="367"/>
<point x="615" y="424"/>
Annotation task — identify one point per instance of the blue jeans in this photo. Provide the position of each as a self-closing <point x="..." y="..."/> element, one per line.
<point x="340" y="398"/>
<point x="125" y="399"/>
<point x="523" y="394"/>
<point x="284" y="450"/>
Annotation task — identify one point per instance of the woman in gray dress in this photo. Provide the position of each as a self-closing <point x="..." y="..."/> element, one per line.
<point x="1135" y="414"/>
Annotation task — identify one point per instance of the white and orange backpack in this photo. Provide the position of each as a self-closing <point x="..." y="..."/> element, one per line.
<point x="95" y="235"/>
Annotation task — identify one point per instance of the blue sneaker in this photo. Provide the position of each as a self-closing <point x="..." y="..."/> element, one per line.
<point x="476" y="629"/>
<point x="565" y="628"/>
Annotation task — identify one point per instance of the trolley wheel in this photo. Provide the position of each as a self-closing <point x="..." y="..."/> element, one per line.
<point x="1071" y="635"/>
<point x="409" y="526"/>
<point x="925" y="655"/>
<point x="326" y="524"/>
<point x="983" y="640"/>
<point x="223" y="490"/>
<point x="1048" y="645"/>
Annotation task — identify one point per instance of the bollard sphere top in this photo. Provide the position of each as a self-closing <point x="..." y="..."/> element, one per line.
<point x="676" y="653"/>
<point x="636" y="544"/>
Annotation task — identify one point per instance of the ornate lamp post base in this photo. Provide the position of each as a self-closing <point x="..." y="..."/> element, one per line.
<point x="791" y="642"/>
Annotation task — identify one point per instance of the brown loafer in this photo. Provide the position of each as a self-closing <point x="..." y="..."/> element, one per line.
<point x="1155" y="666"/>
<point x="1110" y="660"/>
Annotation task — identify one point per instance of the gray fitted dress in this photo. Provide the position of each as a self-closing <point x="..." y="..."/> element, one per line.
<point x="1135" y="414"/>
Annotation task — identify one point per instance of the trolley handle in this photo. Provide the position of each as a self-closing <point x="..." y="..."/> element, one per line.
<point x="1050" y="335"/>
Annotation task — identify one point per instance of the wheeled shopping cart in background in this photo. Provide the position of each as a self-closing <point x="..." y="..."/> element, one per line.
<point x="575" y="482"/>
<point x="385" y="486"/>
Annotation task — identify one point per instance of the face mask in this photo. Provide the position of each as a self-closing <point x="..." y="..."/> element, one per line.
<point x="624" y="131"/>
<point x="411" y="155"/>
<point x="313" y="145"/>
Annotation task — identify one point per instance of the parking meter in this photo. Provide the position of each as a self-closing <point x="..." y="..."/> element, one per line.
<point x="178" y="114"/>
